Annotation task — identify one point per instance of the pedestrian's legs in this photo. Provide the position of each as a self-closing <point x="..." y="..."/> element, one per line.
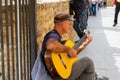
<point x="116" y="13"/>
<point x="83" y="20"/>
<point x="83" y="69"/>
<point x="104" y="4"/>
<point x="77" y="28"/>
<point x="80" y="23"/>
<point x="94" y="9"/>
<point x="89" y="8"/>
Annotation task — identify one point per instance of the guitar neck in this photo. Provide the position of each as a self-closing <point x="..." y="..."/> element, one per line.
<point x="80" y="42"/>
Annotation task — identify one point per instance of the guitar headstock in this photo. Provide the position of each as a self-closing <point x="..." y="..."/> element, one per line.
<point x="86" y="39"/>
<point x="87" y="32"/>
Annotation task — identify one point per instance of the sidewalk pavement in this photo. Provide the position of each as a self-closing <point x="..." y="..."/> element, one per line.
<point x="104" y="50"/>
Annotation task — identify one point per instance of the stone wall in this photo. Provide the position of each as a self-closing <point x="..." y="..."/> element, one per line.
<point x="45" y="19"/>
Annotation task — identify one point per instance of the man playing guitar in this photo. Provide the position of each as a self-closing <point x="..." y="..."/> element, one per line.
<point x="82" y="69"/>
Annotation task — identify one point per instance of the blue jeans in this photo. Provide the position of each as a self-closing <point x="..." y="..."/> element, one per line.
<point x="80" y="22"/>
<point x="93" y="7"/>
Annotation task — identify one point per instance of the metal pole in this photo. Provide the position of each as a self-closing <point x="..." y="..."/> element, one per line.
<point x="2" y="45"/>
<point x="18" y="36"/>
<point x="33" y="50"/>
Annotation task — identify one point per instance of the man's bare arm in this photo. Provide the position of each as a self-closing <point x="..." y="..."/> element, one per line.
<point x="55" y="46"/>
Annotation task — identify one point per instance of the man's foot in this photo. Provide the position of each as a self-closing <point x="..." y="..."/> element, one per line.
<point x="114" y="24"/>
<point x="101" y="77"/>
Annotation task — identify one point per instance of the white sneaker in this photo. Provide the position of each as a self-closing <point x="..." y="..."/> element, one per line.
<point x="101" y="77"/>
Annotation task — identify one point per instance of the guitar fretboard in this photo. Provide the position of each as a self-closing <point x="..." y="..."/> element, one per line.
<point x="76" y="46"/>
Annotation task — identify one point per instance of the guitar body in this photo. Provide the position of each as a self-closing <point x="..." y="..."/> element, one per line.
<point x="60" y="64"/>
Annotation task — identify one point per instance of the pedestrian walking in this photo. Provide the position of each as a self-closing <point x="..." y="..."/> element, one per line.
<point x="117" y="9"/>
<point x="79" y="7"/>
<point x="93" y="6"/>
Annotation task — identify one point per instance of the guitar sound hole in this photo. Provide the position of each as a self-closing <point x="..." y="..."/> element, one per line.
<point x="62" y="61"/>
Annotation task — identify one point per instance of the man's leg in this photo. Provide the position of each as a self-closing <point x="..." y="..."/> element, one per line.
<point x="83" y="69"/>
<point x="86" y="76"/>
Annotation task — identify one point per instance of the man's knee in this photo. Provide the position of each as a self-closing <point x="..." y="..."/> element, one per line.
<point x="87" y="59"/>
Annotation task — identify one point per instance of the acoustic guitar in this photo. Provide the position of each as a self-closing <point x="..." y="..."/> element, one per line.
<point x="59" y="65"/>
